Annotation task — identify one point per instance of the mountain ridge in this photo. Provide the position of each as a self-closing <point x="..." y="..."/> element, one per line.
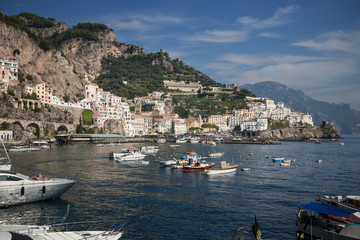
<point x="341" y="115"/>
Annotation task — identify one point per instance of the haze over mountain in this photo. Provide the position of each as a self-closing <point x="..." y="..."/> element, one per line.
<point x="345" y="119"/>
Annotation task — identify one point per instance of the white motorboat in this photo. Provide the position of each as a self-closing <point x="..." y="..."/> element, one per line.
<point x="181" y="140"/>
<point x="130" y="154"/>
<point x="215" y="155"/>
<point x="350" y="201"/>
<point x="161" y="140"/>
<point x="54" y="231"/>
<point x="16" y="188"/>
<point x="150" y="149"/>
<point x="24" y="149"/>
<point x="245" y="169"/>
<point x="225" y="168"/>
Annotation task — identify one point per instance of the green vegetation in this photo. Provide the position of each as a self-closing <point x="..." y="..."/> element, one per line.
<point x="16" y="52"/>
<point x="24" y="21"/>
<point x="279" y="124"/>
<point x="4" y="126"/>
<point x="19" y="123"/>
<point x="182" y="112"/>
<point x="87" y="116"/>
<point x="143" y="76"/>
<point x="66" y="98"/>
<point x="207" y="125"/>
<point x="208" y="104"/>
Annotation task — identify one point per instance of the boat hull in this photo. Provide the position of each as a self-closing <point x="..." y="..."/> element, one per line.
<point x="215" y="171"/>
<point x="196" y="168"/>
<point x="25" y="191"/>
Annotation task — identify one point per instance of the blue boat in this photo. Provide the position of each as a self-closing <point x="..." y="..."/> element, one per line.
<point x="278" y="159"/>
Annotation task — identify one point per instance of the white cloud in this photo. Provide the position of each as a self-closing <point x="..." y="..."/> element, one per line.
<point x="268" y="35"/>
<point x="334" y="41"/>
<point x="220" y="36"/>
<point x="142" y="22"/>
<point x="256" y="60"/>
<point x="326" y="78"/>
<point x="280" y="17"/>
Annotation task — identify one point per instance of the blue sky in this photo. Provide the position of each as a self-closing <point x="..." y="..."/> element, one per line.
<point x="313" y="46"/>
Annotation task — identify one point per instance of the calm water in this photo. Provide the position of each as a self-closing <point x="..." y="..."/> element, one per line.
<point x="160" y="203"/>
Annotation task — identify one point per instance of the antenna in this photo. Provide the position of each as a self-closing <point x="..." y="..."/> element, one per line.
<point x="7" y="155"/>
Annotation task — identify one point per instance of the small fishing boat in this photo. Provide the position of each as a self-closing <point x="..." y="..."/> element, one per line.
<point x="325" y="222"/>
<point x="350" y="201"/>
<point x="286" y="161"/>
<point x="278" y="159"/>
<point x="161" y="140"/>
<point x="174" y="146"/>
<point x="150" y="149"/>
<point x="185" y="159"/>
<point x="319" y="161"/>
<point x="215" y="155"/>
<point x="342" y="144"/>
<point x="245" y="169"/>
<point x="284" y="164"/>
<point x="181" y="140"/>
<point x="194" y="140"/>
<point x="225" y="168"/>
<point x="16" y="188"/>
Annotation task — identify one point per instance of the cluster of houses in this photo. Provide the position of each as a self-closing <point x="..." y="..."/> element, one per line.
<point x="106" y="106"/>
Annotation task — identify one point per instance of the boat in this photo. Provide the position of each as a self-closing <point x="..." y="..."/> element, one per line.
<point x="286" y="161"/>
<point x="194" y="140"/>
<point x="215" y="155"/>
<point x="333" y="140"/>
<point x="245" y="169"/>
<point x="278" y="159"/>
<point x="212" y="143"/>
<point x="41" y="144"/>
<point x="319" y="161"/>
<point x="342" y="144"/>
<point x="130" y="154"/>
<point x="150" y="149"/>
<point x="194" y="163"/>
<point x="24" y="149"/>
<point x="161" y="140"/>
<point x="16" y="188"/>
<point x="350" y="201"/>
<point x="326" y="222"/>
<point x="57" y="231"/>
<point x="223" y="169"/>
<point x="177" y="162"/>
<point x="181" y="140"/>
<point x="174" y="146"/>
<point x="284" y="164"/>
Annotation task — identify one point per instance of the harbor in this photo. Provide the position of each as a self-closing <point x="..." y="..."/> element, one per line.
<point x="152" y="200"/>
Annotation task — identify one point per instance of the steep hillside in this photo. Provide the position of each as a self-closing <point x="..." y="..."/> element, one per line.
<point x="141" y="74"/>
<point x="50" y="52"/>
<point x="341" y="115"/>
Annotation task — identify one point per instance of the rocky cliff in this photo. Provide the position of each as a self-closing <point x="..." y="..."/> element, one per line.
<point x="63" y="68"/>
<point x="323" y="131"/>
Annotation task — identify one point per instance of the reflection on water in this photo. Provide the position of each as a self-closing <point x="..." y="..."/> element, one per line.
<point x="161" y="203"/>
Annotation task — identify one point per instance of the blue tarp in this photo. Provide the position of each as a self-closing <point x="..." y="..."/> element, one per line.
<point x="328" y="209"/>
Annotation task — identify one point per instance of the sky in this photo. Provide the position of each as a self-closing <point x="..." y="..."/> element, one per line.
<point x="308" y="45"/>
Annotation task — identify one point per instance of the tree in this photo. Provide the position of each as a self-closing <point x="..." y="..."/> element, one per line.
<point x="16" y="51"/>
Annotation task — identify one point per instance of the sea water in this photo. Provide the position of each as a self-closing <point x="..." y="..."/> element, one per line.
<point x="161" y="203"/>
